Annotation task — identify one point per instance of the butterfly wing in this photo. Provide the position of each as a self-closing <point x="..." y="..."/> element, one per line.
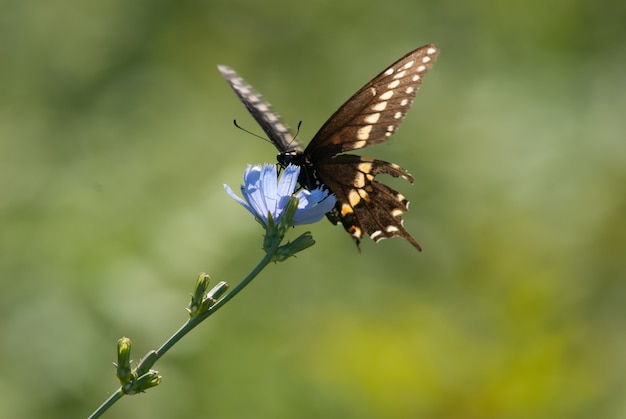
<point x="364" y="205"/>
<point x="261" y="110"/>
<point x="373" y="113"/>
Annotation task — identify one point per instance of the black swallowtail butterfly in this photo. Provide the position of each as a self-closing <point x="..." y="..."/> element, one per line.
<point x="364" y="205"/>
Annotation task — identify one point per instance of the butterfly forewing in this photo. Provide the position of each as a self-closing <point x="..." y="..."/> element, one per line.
<point x="277" y="131"/>
<point x="373" y="113"/>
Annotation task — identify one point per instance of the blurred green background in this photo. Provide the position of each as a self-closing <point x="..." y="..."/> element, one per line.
<point x="116" y="136"/>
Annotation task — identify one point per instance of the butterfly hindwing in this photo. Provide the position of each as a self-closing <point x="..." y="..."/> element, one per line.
<point x="364" y="205"/>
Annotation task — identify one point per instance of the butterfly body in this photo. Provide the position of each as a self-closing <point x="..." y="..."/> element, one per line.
<point x="364" y="205"/>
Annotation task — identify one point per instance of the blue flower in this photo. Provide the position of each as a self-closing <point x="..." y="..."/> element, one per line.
<point x="265" y="196"/>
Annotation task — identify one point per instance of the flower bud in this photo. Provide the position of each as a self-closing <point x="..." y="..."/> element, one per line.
<point x="124" y="372"/>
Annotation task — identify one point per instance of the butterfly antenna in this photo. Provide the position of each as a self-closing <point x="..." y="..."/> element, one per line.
<point x="297" y="130"/>
<point x="248" y="131"/>
<point x="293" y="140"/>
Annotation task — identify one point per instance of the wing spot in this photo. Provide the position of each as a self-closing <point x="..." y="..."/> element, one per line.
<point x="387" y="95"/>
<point x="359" y="180"/>
<point x="392" y="229"/>
<point x="410" y="90"/>
<point x="397" y="115"/>
<point x="426" y="59"/>
<point x="353" y="198"/>
<point x="394" y="84"/>
<point x="355" y="231"/>
<point x="363" y="133"/>
<point x="280" y="127"/>
<point x="396" y="212"/>
<point x="365" y="167"/>
<point x="416" y="77"/>
<point x="375" y="234"/>
<point x="389" y="71"/>
<point x="345" y="210"/>
<point x="364" y="195"/>
<point x="400" y="74"/>
<point x="431" y="51"/>
<point x="372" y="118"/>
<point x="359" y="144"/>
<point x="421" y="69"/>
<point x="390" y="128"/>
<point x="404" y="102"/>
<point x="408" y="65"/>
<point x="380" y="106"/>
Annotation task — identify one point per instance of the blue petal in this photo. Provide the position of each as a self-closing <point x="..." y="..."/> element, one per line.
<point x="252" y="190"/>
<point x="269" y="179"/>
<point x="312" y="206"/>
<point x="232" y="194"/>
<point x="288" y="180"/>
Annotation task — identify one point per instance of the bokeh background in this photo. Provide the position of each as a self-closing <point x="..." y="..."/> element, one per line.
<point x="116" y="137"/>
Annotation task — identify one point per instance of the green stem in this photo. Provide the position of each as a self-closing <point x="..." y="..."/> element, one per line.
<point x="193" y="322"/>
<point x="108" y="403"/>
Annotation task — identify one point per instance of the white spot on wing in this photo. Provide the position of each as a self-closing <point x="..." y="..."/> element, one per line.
<point x="353" y="198"/>
<point x="380" y="106"/>
<point x="391" y="229"/>
<point x="387" y="95"/>
<point x="363" y="133"/>
<point x="372" y="118"/>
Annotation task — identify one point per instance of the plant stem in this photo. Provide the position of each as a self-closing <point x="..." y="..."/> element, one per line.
<point x="193" y="322"/>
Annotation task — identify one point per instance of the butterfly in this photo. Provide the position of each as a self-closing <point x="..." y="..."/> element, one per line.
<point x="364" y="205"/>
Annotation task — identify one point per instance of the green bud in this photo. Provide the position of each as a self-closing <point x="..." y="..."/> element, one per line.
<point x="143" y="383"/>
<point x="124" y="373"/>
<point x="304" y="241"/>
<point x="214" y="295"/>
<point x="147" y="362"/>
<point x="198" y="296"/>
